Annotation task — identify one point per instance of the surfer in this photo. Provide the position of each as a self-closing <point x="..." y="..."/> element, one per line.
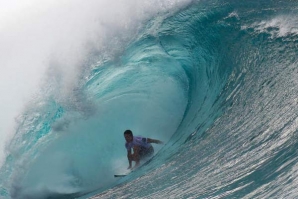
<point x="141" y="146"/>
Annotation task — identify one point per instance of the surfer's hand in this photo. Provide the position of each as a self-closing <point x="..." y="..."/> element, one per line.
<point x="159" y="142"/>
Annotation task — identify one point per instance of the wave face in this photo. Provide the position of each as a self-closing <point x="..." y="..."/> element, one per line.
<point x="217" y="81"/>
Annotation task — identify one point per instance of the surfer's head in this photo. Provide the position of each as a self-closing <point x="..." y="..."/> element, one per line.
<point x="128" y="135"/>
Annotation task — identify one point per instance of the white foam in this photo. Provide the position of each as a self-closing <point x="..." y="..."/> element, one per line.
<point x="277" y="27"/>
<point x="59" y="35"/>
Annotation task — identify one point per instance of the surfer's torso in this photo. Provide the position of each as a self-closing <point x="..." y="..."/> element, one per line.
<point x="138" y="141"/>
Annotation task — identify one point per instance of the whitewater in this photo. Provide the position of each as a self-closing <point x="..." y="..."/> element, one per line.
<point x="217" y="81"/>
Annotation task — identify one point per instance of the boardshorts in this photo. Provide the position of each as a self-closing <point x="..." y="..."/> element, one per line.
<point x="146" y="152"/>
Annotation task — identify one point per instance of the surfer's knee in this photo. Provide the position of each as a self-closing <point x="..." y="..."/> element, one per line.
<point x="131" y="157"/>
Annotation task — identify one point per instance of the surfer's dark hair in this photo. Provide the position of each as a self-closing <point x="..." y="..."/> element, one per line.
<point x="128" y="132"/>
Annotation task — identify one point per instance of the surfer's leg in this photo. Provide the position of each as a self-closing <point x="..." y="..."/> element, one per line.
<point x="145" y="153"/>
<point x="136" y="155"/>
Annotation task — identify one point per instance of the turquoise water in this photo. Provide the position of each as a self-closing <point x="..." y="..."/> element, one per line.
<point x="217" y="81"/>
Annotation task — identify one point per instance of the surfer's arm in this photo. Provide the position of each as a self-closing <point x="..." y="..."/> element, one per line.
<point x="129" y="157"/>
<point x="149" y="140"/>
<point x="133" y="157"/>
<point x="136" y="156"/>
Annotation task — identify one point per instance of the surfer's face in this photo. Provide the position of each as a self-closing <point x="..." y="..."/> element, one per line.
<point x="128" y="138"/>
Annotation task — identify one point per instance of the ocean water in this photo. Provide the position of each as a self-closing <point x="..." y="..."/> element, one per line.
<point x="217" y="81"/>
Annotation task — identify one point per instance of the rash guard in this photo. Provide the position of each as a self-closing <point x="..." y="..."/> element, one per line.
<point x="138" y="141"/>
